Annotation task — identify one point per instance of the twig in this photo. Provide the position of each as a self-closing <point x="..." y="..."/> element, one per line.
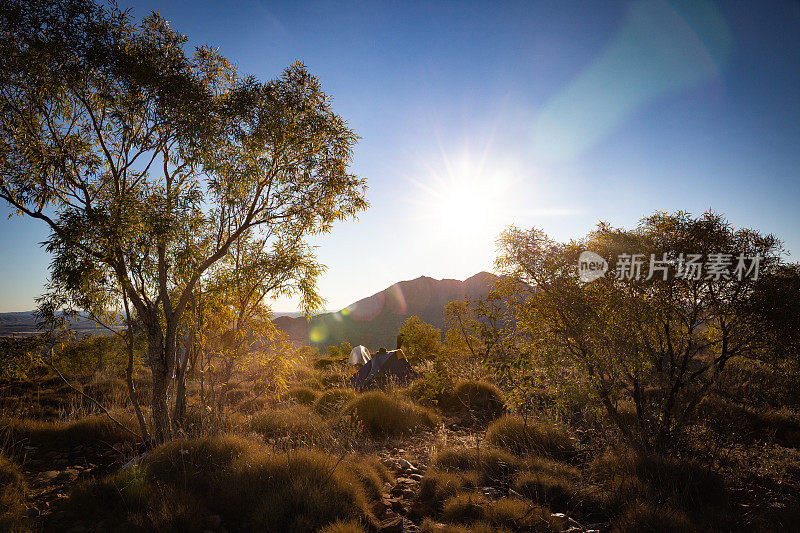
<point x="98" y="404"/>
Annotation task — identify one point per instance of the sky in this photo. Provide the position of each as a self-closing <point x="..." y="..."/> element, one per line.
<point x="474" y="116"/>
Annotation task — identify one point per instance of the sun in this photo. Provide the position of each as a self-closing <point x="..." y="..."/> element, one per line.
<point x="466" y="202"/>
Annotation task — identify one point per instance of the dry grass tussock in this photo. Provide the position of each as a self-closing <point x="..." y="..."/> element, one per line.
<point x="384" y="415"/>
<point x="238" y="479"/>
<point x="12" y="497"/>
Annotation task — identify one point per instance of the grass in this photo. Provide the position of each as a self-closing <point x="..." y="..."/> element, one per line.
<point x="88" y="430"/>
<point x="12" y="497"/>
<point x="238" y="479"/>
<point x="488" y="465"/>
<point x="748" y="424"/>
<point x="383" y="415"/>
<point x="511" y="514"/>
<point x="534" y="437"/>
<point x="343" y="527"/>
<point x="656" y="519"/>
<point x="303" y="395"/>
<point x="293" y="425"/>
<point x="332" y="401"/>
<point x="482" y="399"/>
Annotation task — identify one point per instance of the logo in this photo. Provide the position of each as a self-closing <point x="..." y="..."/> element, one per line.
<point x="591" y="266"/>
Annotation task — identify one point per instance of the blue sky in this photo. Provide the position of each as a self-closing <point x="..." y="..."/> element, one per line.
<point x="478" y="115"/>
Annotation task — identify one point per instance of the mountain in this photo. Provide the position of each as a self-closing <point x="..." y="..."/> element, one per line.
<point x="23" y="323"/>
<point x="374" y="321"/>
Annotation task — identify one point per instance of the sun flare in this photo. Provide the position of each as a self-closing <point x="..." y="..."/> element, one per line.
<point x="466" y="202"/>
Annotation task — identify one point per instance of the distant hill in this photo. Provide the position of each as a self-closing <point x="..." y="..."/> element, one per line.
<point x="23" y="323"/>
<point x="374" y="321"/>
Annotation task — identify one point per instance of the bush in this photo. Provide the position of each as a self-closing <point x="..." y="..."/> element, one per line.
<point x="484" y="400"/>
<point x="490" y="465"/>
<point x="303" y="395"/>
<point x="536" y="437"/>
<point x="385" y="416"/>
<point x="12" y="497"/>
<point x="748" y="424"/>
<point x="238" y="479"/>
<point x="331" y="402"/>
<point x="296" y="424"/>
<point x="682" y="483"/>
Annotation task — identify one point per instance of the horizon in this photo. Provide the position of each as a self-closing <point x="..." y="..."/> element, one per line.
<point x="473" y="118"/>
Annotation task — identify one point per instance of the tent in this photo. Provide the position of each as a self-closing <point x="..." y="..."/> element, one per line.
<point x="384" y="366"/>
<point x="358" y="356"/>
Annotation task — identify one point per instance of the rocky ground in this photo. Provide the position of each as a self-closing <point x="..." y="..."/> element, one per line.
<point x="52" y="473"/>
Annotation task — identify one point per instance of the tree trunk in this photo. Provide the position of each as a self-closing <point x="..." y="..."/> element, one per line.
<point x="159" y="354"/>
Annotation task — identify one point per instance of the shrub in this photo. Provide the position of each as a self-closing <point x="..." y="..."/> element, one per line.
<point x="331" y="402"/>
<point x="303" y="395"/>
<point x="384" y="416"/>
<point x="12" y="497"/>
<point x="683" y="483"/>
<point x="748" y="424"/>
<point x="513" y="434"/>
<point x="238" y="479"/>
<point x="297" y="424"/>
<point x="482" y="399"/>
<point x="489" y="464"/>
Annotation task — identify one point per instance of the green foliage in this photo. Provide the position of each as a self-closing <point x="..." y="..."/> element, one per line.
<point x="657" y="344"/>
<point x="150" y="161"/>
<point x="528" y="436"/>
<point x="384" y="416"/>
<point x="436" y="386"/>
<point x="340" y="352"/>
<point x="19" y="356"/>
<point x="420" y="339"/>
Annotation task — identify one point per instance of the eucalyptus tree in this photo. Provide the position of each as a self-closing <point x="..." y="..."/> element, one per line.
<point x="650" y="338"/>
<point x="148" y="160"/>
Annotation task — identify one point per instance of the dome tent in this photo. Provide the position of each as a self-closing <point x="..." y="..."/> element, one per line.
<point x="358" y="356"/>
<point x="383" y="366"/>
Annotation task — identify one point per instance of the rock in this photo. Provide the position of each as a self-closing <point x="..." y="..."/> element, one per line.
<point x="391" y="525"/>
<point x="404" y="481"/>
<point x="404" y="465"/>
<point x="409" y="494"/>
<point x="415" y="477"/>
<point x="50" y="474"/>
<point x="492" y="493"/>
<point x="379" y="508"/>
<point x="420" y="510"/>
<point x="212" y="521"/>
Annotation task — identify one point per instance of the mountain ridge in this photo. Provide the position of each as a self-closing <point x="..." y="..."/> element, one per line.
<point x="375" y="320"/>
